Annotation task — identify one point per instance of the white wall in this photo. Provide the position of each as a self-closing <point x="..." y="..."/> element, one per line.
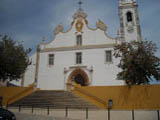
<point x="29" y="75"/>
<point x="53" y="77"/>
<point x="89" y="36"/>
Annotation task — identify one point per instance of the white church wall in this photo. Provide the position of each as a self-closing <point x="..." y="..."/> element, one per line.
<point x="53" y="77"/>
<point x="103" y="73"/>
<point x="95" y="37"/>
<point x="29" y="75"/>
<point x="90" y="37"/>
<point x="62" y="40"/>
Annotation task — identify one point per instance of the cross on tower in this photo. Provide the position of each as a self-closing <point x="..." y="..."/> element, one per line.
<point x="80" y="4"/>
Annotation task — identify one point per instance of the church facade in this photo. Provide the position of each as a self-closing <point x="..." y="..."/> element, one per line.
<point x="82" y="54"/>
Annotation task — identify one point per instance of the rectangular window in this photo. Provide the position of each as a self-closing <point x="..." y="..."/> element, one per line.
<point x="109" y="56"/>
<point x="79" y="40"/>
<point x="78" y="58"/>
<point x="51" y="59"/>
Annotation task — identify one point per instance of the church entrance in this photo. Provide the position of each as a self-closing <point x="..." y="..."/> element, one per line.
<point x="79" y="79"/>
<point x="77" y="76"/>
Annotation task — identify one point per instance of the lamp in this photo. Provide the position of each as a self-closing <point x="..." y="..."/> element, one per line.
<point x="110" y="103"/>
<point x="1" y="98"/>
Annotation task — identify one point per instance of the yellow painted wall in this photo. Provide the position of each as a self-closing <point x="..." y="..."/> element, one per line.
<point x="135" y="97"/>
<point x="11" y="94"/>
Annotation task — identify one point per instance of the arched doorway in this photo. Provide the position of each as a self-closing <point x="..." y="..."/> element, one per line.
<point x="78" y="76"/>
<point x="79" y="79"/>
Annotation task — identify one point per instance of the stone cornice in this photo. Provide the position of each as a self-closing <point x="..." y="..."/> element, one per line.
<point x="128" y="5"/>
<point x="77" y="47"/>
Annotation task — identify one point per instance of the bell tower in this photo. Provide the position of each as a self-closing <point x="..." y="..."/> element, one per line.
<point x="129" y="21"/>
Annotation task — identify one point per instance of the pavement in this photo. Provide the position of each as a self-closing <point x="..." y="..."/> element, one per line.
<point x="24" y="116"/>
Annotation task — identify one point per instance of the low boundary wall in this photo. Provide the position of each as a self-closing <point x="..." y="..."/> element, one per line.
<point x="122" y="97"/>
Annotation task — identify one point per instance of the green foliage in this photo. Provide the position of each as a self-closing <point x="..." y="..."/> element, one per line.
<point x="13" y="59"/>
<point x="138" y="62"/>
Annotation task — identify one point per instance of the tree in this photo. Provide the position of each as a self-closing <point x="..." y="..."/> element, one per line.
<point x="13" y="59"/>
<point x="138" y="62"/>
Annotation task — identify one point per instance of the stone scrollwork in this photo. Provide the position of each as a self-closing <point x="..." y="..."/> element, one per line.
<point x="79" y="25"/>
<point x="86" y="21"/>
<point x="72" y="23"/>
<point x="101" y="25"/>
<point x="58" y="29"/>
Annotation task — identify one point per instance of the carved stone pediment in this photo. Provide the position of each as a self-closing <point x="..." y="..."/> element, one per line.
<point x="101" y="25"/>
<point x="58" y="29"/>
<point x="79" y="25"/>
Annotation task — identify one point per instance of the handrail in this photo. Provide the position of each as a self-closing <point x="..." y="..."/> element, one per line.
<point x="19" y="94"/>
<point x="90" y="95"/>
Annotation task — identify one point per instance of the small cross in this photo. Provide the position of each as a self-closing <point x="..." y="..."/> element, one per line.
<point x="80" y="3"/>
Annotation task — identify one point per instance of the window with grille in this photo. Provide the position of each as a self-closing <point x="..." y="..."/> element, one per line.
<point x="51" y="59"/>
<point x="78" y="58"/>
<point x="79" y="40"/>
<point x="108" y="56"/>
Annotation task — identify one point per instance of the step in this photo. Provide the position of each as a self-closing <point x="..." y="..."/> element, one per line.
<point x="55" y="99"/>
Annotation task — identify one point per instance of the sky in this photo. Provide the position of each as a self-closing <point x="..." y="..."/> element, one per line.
<point x="28" y="21"/>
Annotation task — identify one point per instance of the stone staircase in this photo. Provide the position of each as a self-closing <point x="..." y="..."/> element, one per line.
<point x="53" y="99"/>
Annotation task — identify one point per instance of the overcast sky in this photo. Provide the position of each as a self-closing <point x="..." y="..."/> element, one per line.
<point x="30" y="20"/>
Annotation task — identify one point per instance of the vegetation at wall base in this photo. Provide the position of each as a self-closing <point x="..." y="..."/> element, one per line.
<point x="138" y="62"/>
<point x="13" y="59"/>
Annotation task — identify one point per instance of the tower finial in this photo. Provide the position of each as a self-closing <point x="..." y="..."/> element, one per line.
<point x="80" y="4"/>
